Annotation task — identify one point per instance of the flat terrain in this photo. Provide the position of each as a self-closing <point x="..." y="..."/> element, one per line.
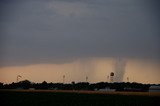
<point x="77" y="98"/>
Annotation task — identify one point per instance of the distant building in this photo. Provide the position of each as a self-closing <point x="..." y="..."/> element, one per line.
<point x="19" y="88"/>
<point x="31" y="88"/>
<point x="133" y="90"/>
<point x="107" y="89"/>
<point x="154" y="88"/>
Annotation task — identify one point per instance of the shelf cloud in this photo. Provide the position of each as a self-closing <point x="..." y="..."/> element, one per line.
<point x="59" y="31"/>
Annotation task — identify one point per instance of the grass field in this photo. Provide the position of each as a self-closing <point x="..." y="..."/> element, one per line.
<point x="77" y="98"/>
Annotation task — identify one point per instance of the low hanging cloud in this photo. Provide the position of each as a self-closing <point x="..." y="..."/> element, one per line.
<point x="59" y="31"/>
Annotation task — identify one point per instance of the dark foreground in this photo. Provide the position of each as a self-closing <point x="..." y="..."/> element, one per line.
<point x="76" y="98"/>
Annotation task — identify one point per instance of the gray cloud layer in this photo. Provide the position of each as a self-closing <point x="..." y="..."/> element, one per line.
<point x="33" y="31"/>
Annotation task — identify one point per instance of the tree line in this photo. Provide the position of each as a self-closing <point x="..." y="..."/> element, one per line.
<point x="123" y="86"/>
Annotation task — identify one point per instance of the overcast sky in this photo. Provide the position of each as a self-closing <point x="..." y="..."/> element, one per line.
<point x="34" y="31"/>
<point x="79" y="38"/>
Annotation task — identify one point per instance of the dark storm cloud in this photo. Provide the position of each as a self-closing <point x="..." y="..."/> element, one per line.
<point x="36" y="31"/>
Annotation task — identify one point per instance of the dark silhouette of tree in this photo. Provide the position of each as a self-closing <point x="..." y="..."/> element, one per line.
<point x="72" y="82"/>
<point x="26" y="84"/>
<point x="1" y="85"/>
<point x="44" y="85"/>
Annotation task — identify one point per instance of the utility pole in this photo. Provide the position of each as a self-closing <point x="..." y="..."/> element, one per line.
<point x="127" y="79"/>
<point x="63" y="79"/>
<point x="86" y="79"/>
<point x="108" y="78"/>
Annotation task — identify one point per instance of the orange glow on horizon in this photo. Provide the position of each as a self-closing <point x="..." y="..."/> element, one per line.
<point x="97" y="70"/>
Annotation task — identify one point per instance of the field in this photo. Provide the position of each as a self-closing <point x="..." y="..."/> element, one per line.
<point x="77" y="98"/>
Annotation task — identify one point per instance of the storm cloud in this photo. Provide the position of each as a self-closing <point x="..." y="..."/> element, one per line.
<point x="58" y="31"/>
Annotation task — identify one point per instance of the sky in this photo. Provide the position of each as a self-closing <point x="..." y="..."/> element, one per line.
<point x="46" y="39"/>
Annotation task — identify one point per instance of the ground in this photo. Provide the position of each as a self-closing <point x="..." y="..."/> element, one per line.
<point x="77" y="98"/>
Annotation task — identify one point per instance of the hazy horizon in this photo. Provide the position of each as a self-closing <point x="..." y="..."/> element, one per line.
<point x="96" y="69"/>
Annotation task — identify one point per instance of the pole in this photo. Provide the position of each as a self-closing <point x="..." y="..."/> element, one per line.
<point x="108" y="78"/>
<point x="86" y="78"/>
<point x="63" y="79"/>
<point x="127" y="79"/>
